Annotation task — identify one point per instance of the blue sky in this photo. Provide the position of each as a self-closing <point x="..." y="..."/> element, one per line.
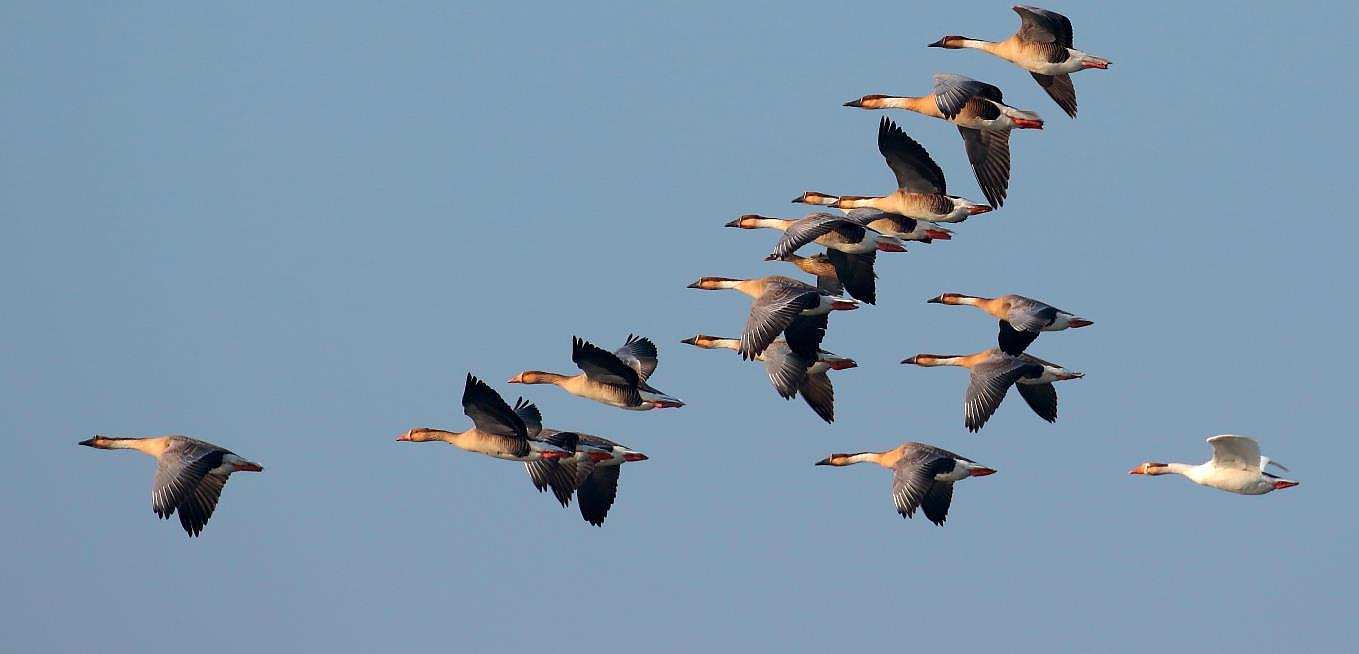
<point x="292" y="231"/>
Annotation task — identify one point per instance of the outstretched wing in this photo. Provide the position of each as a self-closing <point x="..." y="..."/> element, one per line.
<point x="989" y="153"/>
<point x="1060" y="89"/>
<point x="855" y="272"/>
<point x="771" y="314"/>
<point x="914" y="169"/>
<point x="951" y="92"/>
<point x="989" y="382"/>
<point x="819" y="394"/>
<point x="639" y="353"/>
<point x="1042" y="26"/>
<point x="812" y="227"/>
<point x="601" y="365"/>
<point x="490" y="413"/>
<point x="913" y="480"/>
<point x="1235" y="452"/>
<point x="1042" y="398"/>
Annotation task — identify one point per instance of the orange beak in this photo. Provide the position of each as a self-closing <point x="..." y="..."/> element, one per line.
<point x="635" y="456"/>
<point x="1079" y="322"/>
<point x="940" y="234"/>
<point x="841" y="305"/>
<point x="1025" y="123"/>
<point x="1281" y="484"/>
<point x="404" y="437"/>
<point x="843" y="364"/>
<point x="889" y="246"/>
<point x="981" y="472"/>
<point x="981" y="208"/>
<point x="1095" y="63"/>
<point x="1139" y="470"/>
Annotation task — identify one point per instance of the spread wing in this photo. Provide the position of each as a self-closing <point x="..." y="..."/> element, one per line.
<point x="601" y="365"/>
<point x="1042" y="398"/>
<point x="1013" y="341"/>
<point x="596" y="494"/>
<point x="639" y="353"/>
<point x="855" y="272"/>
<point x="772" y="313"/>
<point x="180" y="471"/>
<point x="786" y="369"/>
<point x="197" y="507"/>
<point x="819" y="394"/>
<point x="913" y="480"/>
<point x="951" y="93"/>
<point x="1235" y="452"/>
<point x="914" y="169"/>
<point x="528" y="412"/>
<point x="989" y="153"/>
<point x="989" y="382"/>
<point x="814" y="226"/>
<point x="1043" y="26"/>
<point x="1060" y="89"/>
<point x="805" y="333"/>
<point x="490" y="413"/>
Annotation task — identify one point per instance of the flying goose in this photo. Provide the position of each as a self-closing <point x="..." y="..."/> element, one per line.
<point x="791" y="373"/>
<point x="993" y="372"/>
<point x="781" y="305"/>
<point x="497" y="430"/>
<point x="983" y="120"/>
<point x="922" y="476"/>
<point x="1236" y="467"/>
<point x="190" y="474"/>
<point x="618" y="378"/>
<point x="921" y="190"/>
<point x="1042" y="46"/>
<point x="1021" y="318"/>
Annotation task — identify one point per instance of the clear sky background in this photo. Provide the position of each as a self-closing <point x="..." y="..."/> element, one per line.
<point x="292" y="230"/>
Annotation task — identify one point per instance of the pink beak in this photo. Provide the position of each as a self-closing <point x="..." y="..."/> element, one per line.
<point x="939" y="234"/>
<point x="635" y="456"/>
<point x="841" y="305"/>
<point x="1281" y="484"/>
<point x="1080" y="322"/>
<point x="889" y="246"/>
<point x="843" y="364"/>
<point x="981" y="472"/>
<point x="981" y="208"/>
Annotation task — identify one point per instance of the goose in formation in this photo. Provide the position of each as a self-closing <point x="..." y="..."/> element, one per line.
<point x="617" y="378"/>
<point x="819" y="266"/>
<point x="993" y="372"/>
<point x="190" y="474"/>
<point x="497" y="430"/>
<point x="983" y="120"/>
<point x="791" y="373"/>
<point x="1042" y="46"/>
<point x="1021" y="318"/>
<point x="921" y="190"/>
<point x="851" y="248"/>
<point x="922" y="476"/>
<point x="781" y="305"/>
<point x="1236" y="467"/>
<point x="593" y="480"/>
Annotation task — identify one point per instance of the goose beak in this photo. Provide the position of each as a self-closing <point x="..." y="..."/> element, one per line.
<point x="980" y="471"/>
<point x="249" y="467"/>
<point x="936" y="44"/>
<point x="89" y="442"/>
<point x="911" y="360"/>
<point x="1079" y="322"/>
<point x="940" y="234"/>
<point x="1139" y="470"/>
<point x="736" y="222"/>
<point x="938" y="299"/>
<point x="823" y="462"/>
<point x="979" y="208"/>
<point x="406" y="437"/>
<point x="692" y="340"/>
<point x="635" y="456"/>
<point x="1284" y="483"/>
<point x="1025" y="123"/>
<point x="843" y="364"/>
<point x="695" y="285"/>
<point x="889" y="246"/>
<point x="844" y="305"/>
<point x="857" y="103"/>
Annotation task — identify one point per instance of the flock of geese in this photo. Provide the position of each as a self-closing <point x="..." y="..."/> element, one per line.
<point x="787" y="323"/>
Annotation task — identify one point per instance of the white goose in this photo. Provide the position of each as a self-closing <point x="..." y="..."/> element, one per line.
<point x="1236" y="467"/>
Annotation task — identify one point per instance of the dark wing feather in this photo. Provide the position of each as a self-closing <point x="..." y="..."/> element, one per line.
<point x="855" y="272"/>
<point x="601" y="365"/>
<point x="528" y="412"/>
<point x="914" y="169"/>
<point x="597" y="493"/>
<point x="989" y="153"/>
<point x="490" y="413"/>
<point x="640" y="355"/>
<point x="818" y="393"/>
<point x="805" y="333"/>
<point x="197" y="507"/>
<point x="989" y="382"/>
<point x="951" y="93"/>
<point x="1013" y="341"/>
<point x="936" y="502"/>
<point x="1042" y="398"/>
<point x="814" y="226"/>
<point x="1043" y="26"/>
<point x="1060" y="88"/>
